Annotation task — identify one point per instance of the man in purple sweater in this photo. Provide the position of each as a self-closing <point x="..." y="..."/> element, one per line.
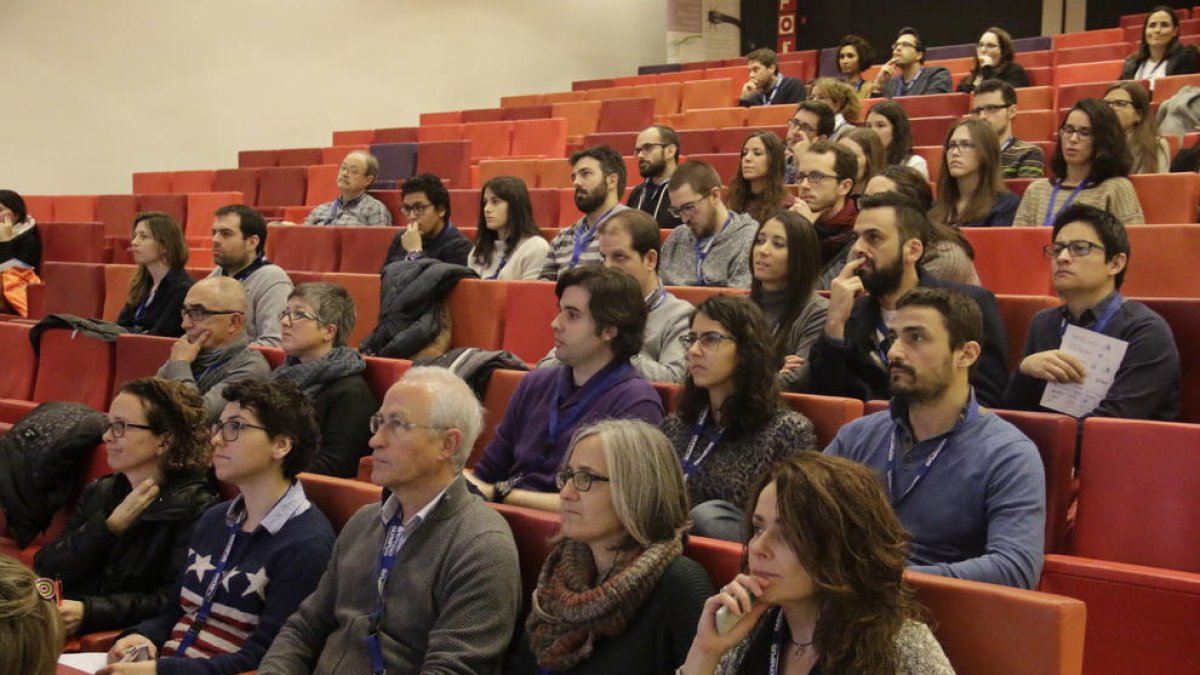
<point x="599" y="328"/>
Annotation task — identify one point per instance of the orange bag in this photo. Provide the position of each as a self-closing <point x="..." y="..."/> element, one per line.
<point x="14" y="280"/>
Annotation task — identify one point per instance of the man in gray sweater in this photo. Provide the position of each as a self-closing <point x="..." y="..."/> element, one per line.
<point x="428" y="580"/>
<point x="714" y="248"/>
<point x="239" y="241"/>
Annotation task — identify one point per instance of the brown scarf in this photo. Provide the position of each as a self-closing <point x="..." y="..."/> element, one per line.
<point x="569" y="611"/>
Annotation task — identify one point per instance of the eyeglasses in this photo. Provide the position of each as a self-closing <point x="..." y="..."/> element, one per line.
<point x="813" y="177"/>
<point x="350" y="170"/>
<point x="200" y="312"/>
<point x="898" y="45"/>
<point x="395" y="426"/>
<point x="294" y="315"/>
<point x="960" y="146"/>
<point x="709" y="342"/>
<point x="118" y="427"/>
<point x="1077" y="249"/>
<point x="581" y="480"/>
<point x="1118" y="104"/>
<point x="1066" y="130"/>
<point x="801" y="126"/>
<point x="230" y="430"/>
<point x="988" y="45"/>
<point x="686" y="210"/>
<point x="647" y="148"/>
<point x="989" y="109"/>
<point x="414" y="209"/>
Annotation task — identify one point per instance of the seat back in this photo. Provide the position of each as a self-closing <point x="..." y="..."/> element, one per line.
<point x="20" y="363"/>
<point x="448" y="160"/>
<point x="138" y="356"/>
<point x="1054" y="435"/>
<point x="725" y="164"/>
<point x="72" y="242"/>
<point x="1160" y="264"/>
<point x="363" y="248"/>
<point x="116" y="212"/>
<point x="489" y="139"/>
<point x="338" y="498"/>
<point x="299" y="156"/>
<point x="472" y="325"/>
<point x="827" y="413"/>
<point x="1035" y="125"/>
<point x="397" y="161"/>
<point x="116" y="289"/>
<point x="74" y="367"/>
<point x="1183" y="315"/>
<point x="532" y="530"/>
<point x="1009" y="259"/>
<point x="500" y="390"/>
<point x="147" y="182"/>
<point x="282" y="186"/>
<point x="309" y="248"/>
<point x="73" y="288"/>
<point x="1018" y="312"/>
<point x="200" y="209"/>
<point x="250" y="159"/>
<point x="1168" y="197"/>
<point x="244" y="181"/>
<point x="546" y="137"/>
<point x="582" y="116"/>
<point x="75" y="208"/>
<point x="706" y="93"/>
<point x="321" y="183"/>
<point x="382" y="373"/>
<point x="529" y="308"/>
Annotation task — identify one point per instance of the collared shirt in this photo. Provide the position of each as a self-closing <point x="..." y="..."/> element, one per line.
<point x="362" y="210"/>
<point x="291" y="504"/>
<point x="392" y="505"/>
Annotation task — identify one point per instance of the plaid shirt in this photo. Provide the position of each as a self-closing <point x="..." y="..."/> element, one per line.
<point x="362" y="210"/>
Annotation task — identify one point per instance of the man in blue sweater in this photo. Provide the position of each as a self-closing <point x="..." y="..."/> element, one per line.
<point x="967" y="485"/>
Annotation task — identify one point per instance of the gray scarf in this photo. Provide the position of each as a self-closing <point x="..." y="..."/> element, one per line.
<point x="314" y="376"/>
<point x="209" y="367"/>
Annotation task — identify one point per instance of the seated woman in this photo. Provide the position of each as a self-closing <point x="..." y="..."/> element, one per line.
<point x="1131" y="104"/>
<point x="120" y="556"/>
<point x="854" y="55"/>
<point x="969" y="185"/>
<point x="824" y="564"/>
<point x="889" y="120"/>
<point x="868" y="150"/>
<point x="616" y="594"/>
<point x="842" y="100"/>
<point x="731" y="423"/>
<point x="1160" y="52"/>
<point x="31" y="634"/>
<point x="994" y="61"/>
<point x="159" y="285"/>
<point x="508" y="244"/>
<point x="1091" y="163"/>
<point x="20" y="251"/>
<point x="758" y="187"/>
<point x="316" y="323"/>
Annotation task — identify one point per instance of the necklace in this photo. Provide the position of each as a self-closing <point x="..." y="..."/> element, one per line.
<point x="800" y="647"/>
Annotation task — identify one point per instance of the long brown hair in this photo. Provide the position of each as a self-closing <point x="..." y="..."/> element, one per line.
<point x="990" y="185"/>
<point x="872" y="148"/>
<point x="771" y="199"/>
<point x="1143" y="137"/>
<point x="169" y="236"/>
<point x="803" y="268"/>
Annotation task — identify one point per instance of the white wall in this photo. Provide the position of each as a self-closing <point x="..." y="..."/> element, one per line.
<point x="96" y="89"/>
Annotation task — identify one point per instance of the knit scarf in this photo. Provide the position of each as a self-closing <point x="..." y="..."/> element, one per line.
<point x="569" y="612"/>
<point x="210" y="366"/>
<point x="315" y="375"/>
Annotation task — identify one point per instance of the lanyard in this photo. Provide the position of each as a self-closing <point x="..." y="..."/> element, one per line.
<point x="777" y="644"/>
<point x="882" y="347"/>
<point x="768" y="100"/>
<point x="500" y="268"/>
<point x="141" y="309"/>
<point x="902" y="86"/>
<point x="209" y="593"/>
<point x="1050" y="212"/>
<point x="591" y="390"/>
<point x="972" y="412"/>
<point x="397" y="534"/>
<point x="656" y="299"/>
<point x="582" y="239"/>
<point x="691" y="466"/>
<point x="1102" y="322"/>
<point x="1008" y="143"/>
<point x="660" y="191"/>
<point x="702" y="252"/>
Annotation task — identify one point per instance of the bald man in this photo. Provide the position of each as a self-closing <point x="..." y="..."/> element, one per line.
<point x="214" y="349"/>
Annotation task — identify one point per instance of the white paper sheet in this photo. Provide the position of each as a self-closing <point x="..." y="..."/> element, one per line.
<point x="1101" y="356"/>
<point x="88" y="662"/>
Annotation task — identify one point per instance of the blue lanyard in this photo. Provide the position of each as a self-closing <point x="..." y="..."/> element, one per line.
<point x="691" y="466"/>
<point x="702" y="253"/>
<point x="396" y="536"/>
<point x="1050" y="212"/>
<point x="591" y="390"/>
<point x="1102" y="322"/>
<point x="582" y="239"/>
<point x="972" y="412"/>
<point x="657" y="298"/>
<point x="141" y="308"/>
<point x="768" y="100"/>
<point x="503" y="262"/>
<point x="209" y="593"/>
<point x="902" y="86"/>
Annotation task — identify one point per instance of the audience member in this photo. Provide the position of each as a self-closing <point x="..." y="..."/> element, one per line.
<point x="120" y="555"/>
<point x="842" y="100"/>
<point x="713" y="249"/>
<point x="251" y="561"/>
<point x="160" y="283"/>
<point x="598" y="176"/>
<point x="812" y="121"/>
<point x="1089" y="258"/>
<point x="630" y="242"/>
<point x="970" y="191"/>
<point x="854" y="55"/>
<point x="508" y="243"/>
<point x="239" y="244"/>
<point x="980" y="513"/>
<point x="1160" y="52"/>
<point x="890" y="122"/>
<point x="316" y="324"/>
<point x="429" y="232"/>
<point x="758" y="188"/>
<point x="905" y="74"/>
<point x="353" y="205"/>
<point x="995" y="102"/>
<point x="766" y="85"/>
<point x="31" y="634"/>
<point x="597" y="332"/>
<point x="731" y="424"/>
<point x="1092" y="160"/>
<point x="1130" y="102"/>
<point x="20" y="243"/>
<point x="822" y="584"/>
<point x="657" y="149"/>
<point x="214" y="348"/>
<point x="826" y="176"/>
<point x="426" y="581"/>
<point x="850" y="358"/>
<point x="994" y="61"/>
<point x="905" y="180"/>
<point x="616" y="594"/>
<point x="868" y="153"/>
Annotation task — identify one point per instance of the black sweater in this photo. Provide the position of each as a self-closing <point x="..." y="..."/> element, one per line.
<point x="161" y="316"/>
<point x="26" y="247"/>
<point x="344" y="410"/>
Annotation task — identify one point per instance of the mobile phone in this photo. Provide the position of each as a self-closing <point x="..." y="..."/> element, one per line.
<point x="726" y="619"/>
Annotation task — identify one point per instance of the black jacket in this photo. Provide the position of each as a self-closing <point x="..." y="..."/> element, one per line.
<point x="344" y="408"/>
<point x="449" y="246"/>
<point x="1011" y="72"/>
<point x="791" y="90"/>
<point x="410" y="306"/>
<point x="161" y="316"/>
<point x="124" y="579"/>
<point x="1182" y="60"/>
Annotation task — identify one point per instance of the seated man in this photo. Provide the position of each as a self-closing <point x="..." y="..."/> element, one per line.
<point x="447" y="595"/>
<point x="812" y="121"/>
<point x="657" y="149"/>
<point x="905" y="74"/>
<point x="714" y="248"/>
<point x="766" y="86"/>
<point x="251" y="560"/>
<point x="429" y="233"/>
<point x="214" y="348"/>
<point x="354" y="206"/>
<point x="826" y="176"/>
<point x="970" y="487"/>
<point x="995" y="102"/>
<point x="850" y="357"/>
<point x="1089" y="257"/>
<point x="630" y="242"/>
<point x="239" y="245"/>
<point x="598" y="330"/>
<point x="598" y="176"/>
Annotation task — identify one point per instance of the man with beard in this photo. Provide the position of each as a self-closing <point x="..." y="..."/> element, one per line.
<point x="765" y="85"/>
<point x="598" y="176"/>
<point x="714" y="248"/>
<point x="825" y="173"/>
<point x="906" y="73"/>
<point x="657" y="150"/>
<point x="967" y="485"/>
<point x="239" y="245"/>
<point x="851" y="356"/>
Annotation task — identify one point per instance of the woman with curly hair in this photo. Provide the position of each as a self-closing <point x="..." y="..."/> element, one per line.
<point x="121" y="554"/>
<point x="731" y="423"/>
<point x="842" y="100"/>
<point x="616" y="594"/>
<point x="31" y="634"/>
<point x="854" y="55"/>
<point x="822" y="588"/>
<point x="758" y="187"/>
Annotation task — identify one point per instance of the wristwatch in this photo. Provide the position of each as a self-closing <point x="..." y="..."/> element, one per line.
<point x="501" y="490"/>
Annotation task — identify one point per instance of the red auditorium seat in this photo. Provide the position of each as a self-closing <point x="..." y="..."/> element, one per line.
<point x="931" y="130"/>
<point x="200" y="209"/>
<point x="20" y="363"/>
<point x="935" y="105"/>
<point x="582" y="116"/>
<point x="392" y="200"/>
<point x="299" y="156"/>
<point x="251" y="159"/>
<point x="525" y="169"/>
<point x="696" y="141"/>
<point x="539" y="137"/>
<point x="464" y="206"/>
<point x="338" y="498"/>
<point x="528" y="311"/>
<point x="321" y="182"/>
<point x="827" y="413"/>
<point x="396" y="135"/>
<point x="666" y="96"/>
<point x="40" y="207"/>
<point x="381" y="374"/>
<point x="1168" y="197"/>
<point x="713" y="118"/>
<point x="545" y="209"/>
<point x="483" y="115"/>
<point x="528" y="112"/>
<point x="1094" y="53"/>
<point x="281" y="186"/>
<point x="554" y="173"/>
<point x="364" y="248"/>
<point x="183" y="182"/>
<point x="621" y="141"/>
<point x="1166" y="87"/>
<point x="1036" y="59"/>
<point x="1009" y="259"/>
<point x="172" y="205"/>
<point x="448" y="160"/>
<point x="147" y="182"/>
<point x="1183" y="315"/>
<point x="725" y="164"/>
<point x="364" y="288"/>
<point x="1104" y="36"/>
<point x="728" y="140"/>
<point x="244" y="181"/>
<point x="1018" y="312"/>
<point x="471" y="326"/>
<point x="72" y="242"/>
<point x="1161" y="263"/>
<point x="768" y="115"/>
<point x="440" y="132"/>
<point x="116" y="212"/>
<point x="75" y="208"/>
<point x="335" y="154"/>
<point x="489" y="139"/>
<point x="706" y="94"/>
<point x="1035" y="125"/>
<point x="1035" y="98"/>
<point x="499" y="392"/>
<point x="73" y="367"/>
<point x="1055" y="437"/>
<point x="139" y="356"/>
<point x="448" y="117"/>
<point x="533" y="531"/>
<point x="1100" y="71"/>
<point x="306" y="248"/>
<point x="116" y="289"/>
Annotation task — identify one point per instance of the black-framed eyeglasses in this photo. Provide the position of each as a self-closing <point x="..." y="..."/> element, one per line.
<point x="709" y="342"/>
<point x="988" y="45"/>
<point x="813" y="177"/>
<point x="118" y="427"/>
<point x="232" y="429"/>
<point x="683" y="210"/>
<point x="1077" y="249"/>
<point x="414" y="209"/>
<point x="1068" y="130"/>
<point x="897" y="45"/>
<point x="801" y="126"/>
<point x="960" y="146"/>
<point x="294" y="315"/>
<point x="396" y="426"/>
<point x="647" y="148"/>
<point x="992" y="108"/>
<point x="200" y="312"/>
<point x="1118" y="104"/>
<point x="581" y="480"/>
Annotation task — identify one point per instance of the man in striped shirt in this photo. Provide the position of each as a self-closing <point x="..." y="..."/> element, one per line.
<point x="995" y="102"/>
<point x="598" y="176"/>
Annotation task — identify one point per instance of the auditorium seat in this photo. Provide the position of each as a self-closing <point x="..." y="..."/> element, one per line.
<point x="1183" y="315"/>
<point x="528" y="112"/>
<point x="713" y="118"/>
<point x="321" y="184"/>
<point x="698" y="294"/>
<point x="1009" y="259"/>
<point x="695" y="141"/>
<point x="1034" y="59"/>
<point x="448" y="160"/>
<point x="933" y="155"/>
<point x="1075" y="73"/>
<point x="725" y="164"/>
<point x="337" y="153"/>
<point x="74" y="367"/>
<point x="734" y="75"/>
<point x="768" y="115"/>
<point x="525" y="169"/>
<point x="666" y="96"/>
<point x="1166" y="87"/>
<point x="40" y="207"/>
<point x="500" y="390"/>
<point x="364" y="248"/>
<point x="381" y="374"/>
<point x="281" y="186"/>
<point x="483" y="115"/>
<point x="75" y="208"/>
<point x="488" y="139"/>
<point x="392" y="200"/>
<point x="447" y="117"/>
<point x="305" y="248"/>
<point x="1168" y="197"/>
<point x="1161" y="260"/>
<point x="72" y="242"/>
<point x="147" y="182"/>
<point x="1030" y="99"/>
<point x="20" y="368"/>
<point x="1017" y="312"/>
<point x="727" y="140"/>
<point x="698" y="94"/>
<point x="116" y="289"/>
<point x="545" y="137"/>
<point x="473" y="325"/>
<point x="533" y="531"/>
<point x="545" y="210"/>
<point x="554" y="173"/>
<point x="183" y="182"/>
<point x="464" y="206"/>
<point x="244" y="181"/>
<point x="201" y="207"/>
<point x="827" y="413"/>
<point x="338" y="498"/>
<point x="251" y="159"/>
<point x="1035" y="125"/>
<point x="397" y="161"/>
<point x="139" y="356"/>
<point x="1093" y="53"/>
<point x="935" y="105"/>
<point x="396" y="135"/>
<point x="364" y="289"/>
<point x="582" y="117"/>
<point x="170" y="204"/>
<point x="1086" y="38"/>
<point x="299" y="156"/>
<point x="931" y="130"/>
<point x="116" y="212"/>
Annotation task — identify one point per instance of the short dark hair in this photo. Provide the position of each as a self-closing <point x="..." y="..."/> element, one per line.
<point x="960" y="313"/>
<point x="765" y="56"/>
<point x="1111" y="232"/>
<point x="910" y="184"/>
<point x="825" y="118"/>
<point x="610" y="161"/>
<point x="668" y="136"/>
<point x="250" y="223"/>
<point x="433" y="189"/>
<point x="616" y="301"/>
<point x="644" y="235"/>
<point x="333" y="305"/>
<point x="700" y="176"/>
<point x="911" y="222"/>
<point x="1110" y="152"/>
<point x="1007" y="91"/>
<point x="13" y="202"/>
<point x="845" y="164"/>
<point x="866" y="55"/>
<point x="284" y="409"/>
<point x="909" y="30"/>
